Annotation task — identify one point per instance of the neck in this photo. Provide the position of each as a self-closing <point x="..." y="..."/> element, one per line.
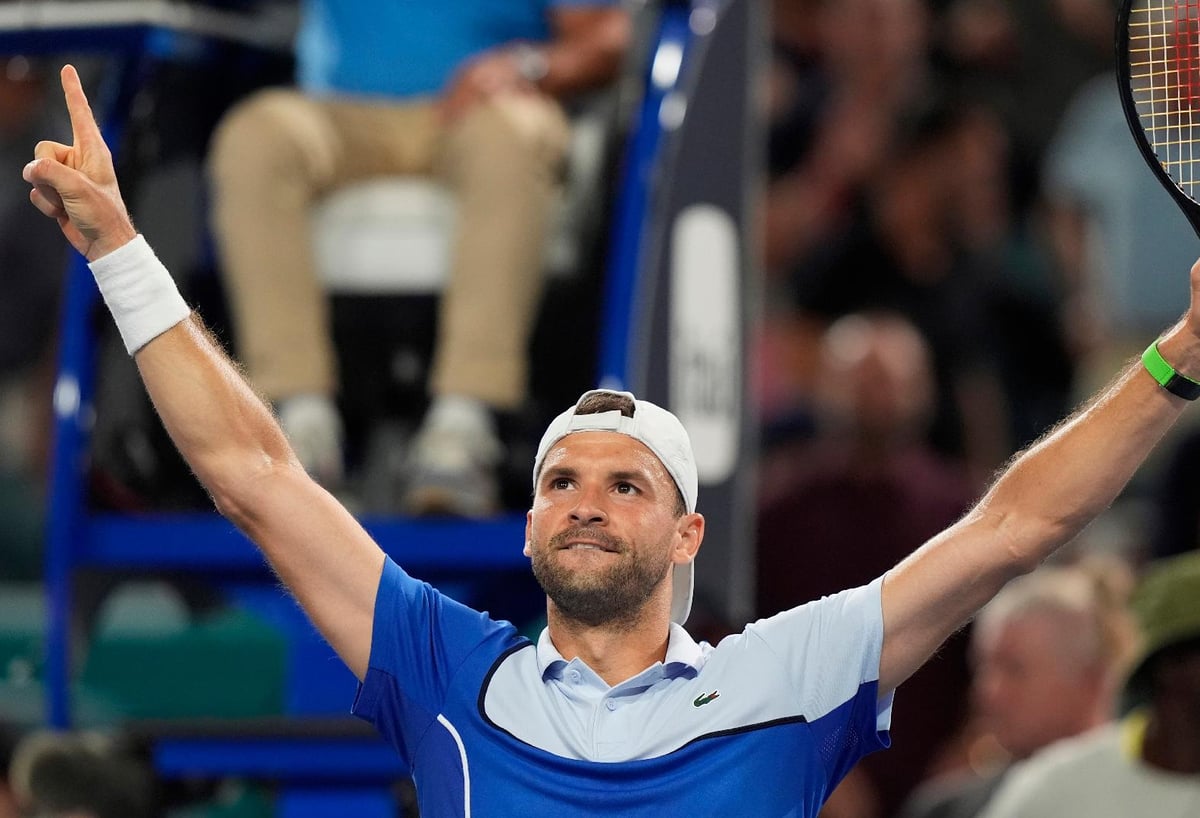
<point x="614" y="652"/>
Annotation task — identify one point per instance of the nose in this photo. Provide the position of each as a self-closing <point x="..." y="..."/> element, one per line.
<point x="588" y="509"/>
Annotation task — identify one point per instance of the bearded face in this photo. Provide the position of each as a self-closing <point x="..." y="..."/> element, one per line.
<point x="605" y="530"/>
<point x="597" y="579"/>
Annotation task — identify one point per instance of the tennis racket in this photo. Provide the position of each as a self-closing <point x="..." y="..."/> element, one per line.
<point x="1158" y="71"/>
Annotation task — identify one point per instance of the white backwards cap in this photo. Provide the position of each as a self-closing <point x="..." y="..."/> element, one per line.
<point x="660" y="432"/>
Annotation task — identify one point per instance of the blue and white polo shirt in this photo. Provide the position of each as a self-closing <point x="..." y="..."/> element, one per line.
<point x="765" y="724"/>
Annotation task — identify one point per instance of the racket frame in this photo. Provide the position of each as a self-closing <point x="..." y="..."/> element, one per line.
<point x="1189" y="206"/>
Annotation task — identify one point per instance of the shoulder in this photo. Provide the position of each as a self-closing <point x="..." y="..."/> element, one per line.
<point x="417" y="626"/>
<point x="837" y="616"/>
<point x="826" y="650"/>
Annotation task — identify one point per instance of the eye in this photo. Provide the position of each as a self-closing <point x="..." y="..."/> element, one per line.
<point x="560" y="483"/>
<point x="626" y="488"/>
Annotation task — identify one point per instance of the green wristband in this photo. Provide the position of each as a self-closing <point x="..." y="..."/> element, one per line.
<point x="1167" y="377"/>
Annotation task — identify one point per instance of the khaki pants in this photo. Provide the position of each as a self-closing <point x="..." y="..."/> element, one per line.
<point x="278" y="151"/>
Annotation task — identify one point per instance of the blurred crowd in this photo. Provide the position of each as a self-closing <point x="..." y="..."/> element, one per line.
<point x="959" y="241"/>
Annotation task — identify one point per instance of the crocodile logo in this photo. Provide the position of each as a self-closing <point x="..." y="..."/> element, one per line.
<point x="705" y="698"/>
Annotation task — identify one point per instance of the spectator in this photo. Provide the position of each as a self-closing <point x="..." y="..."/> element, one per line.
<point x="1048" y="655"/>
<point x="873" y="402"/>
<point x="1147" y="764"/>
<point x="1025" y="58"/>
<point x="80" y="775"/>
<point x="868" y="461"/>
<point x="841" y="74"/>
<point x="1001" y="240"/>
<point x="902" y="252"/>
<point x="472" y="97"/>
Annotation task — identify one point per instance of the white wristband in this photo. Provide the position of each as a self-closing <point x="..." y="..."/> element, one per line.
<point x="139" y="292"/>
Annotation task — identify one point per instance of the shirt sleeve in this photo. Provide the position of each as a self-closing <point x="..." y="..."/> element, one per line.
<point x="831" y="649"/>
<point x="420" y="639"/>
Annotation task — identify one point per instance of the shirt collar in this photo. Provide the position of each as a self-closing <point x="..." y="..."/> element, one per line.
<point x="684" y="655"/>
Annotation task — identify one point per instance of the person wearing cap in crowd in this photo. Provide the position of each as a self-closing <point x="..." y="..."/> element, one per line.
<point x="615" y="710"/>
<point x="1149" y="762"/>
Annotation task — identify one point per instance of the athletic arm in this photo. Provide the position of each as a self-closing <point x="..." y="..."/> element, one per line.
<point x="1043" y="499"/>
<point x="222" y="428"/>
<point x="231" y="440"/>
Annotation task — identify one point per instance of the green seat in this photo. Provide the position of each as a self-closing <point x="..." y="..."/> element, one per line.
<point x="23" y="704"/>
<point x="228" y="665"/>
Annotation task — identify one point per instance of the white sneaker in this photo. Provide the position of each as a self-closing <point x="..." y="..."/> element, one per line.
<point x="314" y="428"/>
<point x="453" y="462"/>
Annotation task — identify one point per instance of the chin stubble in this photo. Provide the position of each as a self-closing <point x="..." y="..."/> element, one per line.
<point x="614" y="597"/>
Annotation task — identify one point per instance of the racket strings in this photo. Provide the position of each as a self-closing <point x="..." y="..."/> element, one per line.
<point x="1164" y="78"/>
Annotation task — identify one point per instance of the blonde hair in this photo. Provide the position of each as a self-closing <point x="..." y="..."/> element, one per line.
<point x="1094" y="591"/>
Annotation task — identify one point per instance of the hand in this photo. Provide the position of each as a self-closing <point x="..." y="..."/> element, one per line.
<point x="1180" y="345"/>
<point x="1191" y="319"/>
<point x="76" y="185"/>
<point x="488" y="75"/>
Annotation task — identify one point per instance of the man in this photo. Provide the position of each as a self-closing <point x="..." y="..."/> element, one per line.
<point x="868" y="460"/>
<point x="1049" y="654"/>
<point x="615" y="711"/>
<point x="79" y="775"/>
<point x="470" y="93"/>
<point x="1149" y="763"/>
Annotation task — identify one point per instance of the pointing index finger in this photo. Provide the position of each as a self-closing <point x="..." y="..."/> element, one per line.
<point x="83" y="123"/>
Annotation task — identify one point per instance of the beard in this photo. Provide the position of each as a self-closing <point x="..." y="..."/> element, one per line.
<point x="613" y="596"/>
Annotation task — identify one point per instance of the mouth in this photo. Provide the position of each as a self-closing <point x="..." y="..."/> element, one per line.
<point x="585" y="541"/>
<point x="587" y="546"/>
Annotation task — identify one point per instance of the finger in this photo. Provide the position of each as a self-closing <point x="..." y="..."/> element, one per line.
<point x="52" y="150"/>
<point x="51" y="196"/>
<point x="83" y="123"/>
<point x="50" y="178"/>
<point x="47" y="207"/>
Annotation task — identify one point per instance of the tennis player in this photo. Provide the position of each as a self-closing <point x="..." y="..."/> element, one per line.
<point x="615" y="710"/>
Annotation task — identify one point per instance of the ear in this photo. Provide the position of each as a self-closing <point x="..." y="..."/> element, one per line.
<point x="527" y="550"/>
<point x="689" y="535"/>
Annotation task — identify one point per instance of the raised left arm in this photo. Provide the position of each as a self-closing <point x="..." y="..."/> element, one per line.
<point x="1043" y="499"/>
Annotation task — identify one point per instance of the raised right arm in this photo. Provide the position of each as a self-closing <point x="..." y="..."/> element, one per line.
<point x="222" y="428"/>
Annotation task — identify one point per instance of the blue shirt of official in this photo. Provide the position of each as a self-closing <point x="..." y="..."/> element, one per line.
<point x="408" y="48"/>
